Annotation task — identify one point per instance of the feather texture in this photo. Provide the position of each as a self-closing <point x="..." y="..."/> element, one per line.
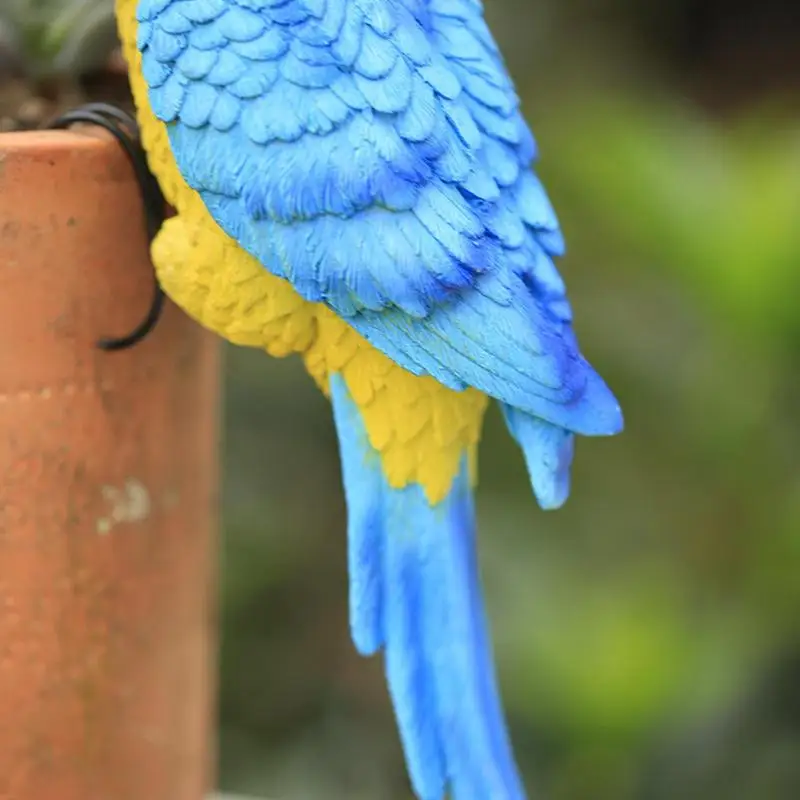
<point x="372" y="153"/>
<point x="415" y="592"/>
<point x="353" y="182"/>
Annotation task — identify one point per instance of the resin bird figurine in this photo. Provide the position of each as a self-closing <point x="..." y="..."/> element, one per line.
<point x="353" y="182"/>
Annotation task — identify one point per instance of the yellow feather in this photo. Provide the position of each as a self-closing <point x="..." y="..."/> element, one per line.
<point x="420" y="428"/>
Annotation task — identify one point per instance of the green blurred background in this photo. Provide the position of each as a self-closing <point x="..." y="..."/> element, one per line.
<point x="647" y="635"/>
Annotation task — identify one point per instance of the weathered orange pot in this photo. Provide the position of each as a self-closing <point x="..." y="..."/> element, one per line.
<point x="108" y="493"/>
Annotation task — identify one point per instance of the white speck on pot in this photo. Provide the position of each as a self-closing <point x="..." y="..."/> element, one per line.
<point x="131" y="503"/>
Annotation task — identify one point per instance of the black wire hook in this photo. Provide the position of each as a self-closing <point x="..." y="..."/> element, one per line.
<point x="116" y="121"/>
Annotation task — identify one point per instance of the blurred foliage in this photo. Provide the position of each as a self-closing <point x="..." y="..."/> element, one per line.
<point x="647" y="634"/>
<point x="48" y="38"/>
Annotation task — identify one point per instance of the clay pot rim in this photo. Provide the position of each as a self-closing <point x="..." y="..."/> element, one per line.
<point x="80" y="136"/>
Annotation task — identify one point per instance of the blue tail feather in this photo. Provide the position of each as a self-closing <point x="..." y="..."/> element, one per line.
<point x="548" y="451"/>
<point x="415" y="591"/>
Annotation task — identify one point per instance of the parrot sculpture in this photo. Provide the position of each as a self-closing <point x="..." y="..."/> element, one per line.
<point x="353" y="183"/>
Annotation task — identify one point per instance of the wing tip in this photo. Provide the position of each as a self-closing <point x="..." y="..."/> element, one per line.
<point x="598" y="412"/>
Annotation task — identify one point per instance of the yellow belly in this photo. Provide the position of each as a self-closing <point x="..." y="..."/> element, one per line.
<point x="420" y="428"/>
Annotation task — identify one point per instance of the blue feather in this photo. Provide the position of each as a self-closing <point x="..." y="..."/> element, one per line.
<point x="164" y="46"/>
<point x="377" y="56"/>
<point x="240" y="25"/>
<point x="226" y="112"/>
<point x="209" y="37"/>
<point x="172" y="21"/>
<point x="415" y="591"/>
<point x="199" y="10"/>
<point x="196" y="64"/>
<point x="548" y="452"/>
<point x="417" y="122"/>
<point x="270" y="46"/>
<point x="254" y="85"/>
<point x="228" y="69"/>
<point x="198" y="104"/>
<point x="347" y="44"/>
<point x="317" y="55"/>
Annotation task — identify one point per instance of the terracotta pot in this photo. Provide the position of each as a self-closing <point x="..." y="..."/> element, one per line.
<point x="108" y="493"/>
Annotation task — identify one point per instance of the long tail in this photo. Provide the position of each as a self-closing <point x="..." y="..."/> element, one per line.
<point x="415" y="591"/>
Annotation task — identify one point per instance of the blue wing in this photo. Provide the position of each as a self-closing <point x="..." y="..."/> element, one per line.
<point x="372" y="153"/>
